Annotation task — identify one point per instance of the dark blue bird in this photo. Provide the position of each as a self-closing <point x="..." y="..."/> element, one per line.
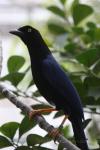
<point x="52" y="82"/>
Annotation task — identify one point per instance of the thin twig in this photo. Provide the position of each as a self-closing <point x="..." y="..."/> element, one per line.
<point x="38" y="118"/>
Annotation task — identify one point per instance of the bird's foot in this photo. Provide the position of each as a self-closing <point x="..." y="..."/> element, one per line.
<point x="40" y="111"/>
<point x="54" y="133"/>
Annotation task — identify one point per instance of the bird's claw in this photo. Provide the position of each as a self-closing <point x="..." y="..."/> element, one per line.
<point x="34" y="113"/>
<point x="54" y="133"/>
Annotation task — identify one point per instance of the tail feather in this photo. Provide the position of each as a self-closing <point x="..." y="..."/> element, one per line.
<point x="79" y="134"/>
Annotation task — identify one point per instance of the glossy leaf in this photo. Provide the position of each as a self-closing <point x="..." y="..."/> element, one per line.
<point x="56" y="29"/>
<point x="25" y="126"/>
<point x="89" y="57"/>
<point x="4" y="142"/>
<point x="14" y="78"/>
<point x="56" y="10"/>
<point x="80" y="12"/>
<point x="34" y="139"/>
<point x="9" y="129"/>
<point x="15" y="63"/>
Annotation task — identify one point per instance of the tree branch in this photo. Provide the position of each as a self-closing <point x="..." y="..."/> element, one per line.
<point x="38" y="118"/>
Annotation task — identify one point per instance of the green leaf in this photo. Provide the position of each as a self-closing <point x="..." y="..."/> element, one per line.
<point x="25" y="126"/>
<point x="86" y="38"/>
<point x="2" y="96"/>
<point x="73" y="66"/>
<point x="97" y="34"/>
<point x="15" y="63"/>
<point x="78" y="30"/>
<point x="34" y="139"/>
<point x="59" y="114"/>
<point x="76" y="78"/>
<point x="36" y="93"/>
<point x="91" y="25"/>
<point x="33" y="148"/>
<point x="23" y="148"/>
<point x="60" y="147"/>
<point x="63" y="1"/>
<point x="66" y="131"/>
<point x="89" y="57"/>
<point x="41" y="148"/>
<point x="98" y="140"/>
<point x="71" y="48"/>
<point x="56" y="29"/>
<point x="90" y="35"/>
<point x="56" y="10"/>
<point x="14" y="78"/>
<point x="91" y="81"/>
<point x="9" y="129"/>
<point x="4" y="142"/>
<point x="86" y="122"/>
<point x="81" y="90"/>
<point x="80" y="12"/>
<point x="96" y="68"/>
<point x="92" y="84"/>
<point x="74" y="3"/>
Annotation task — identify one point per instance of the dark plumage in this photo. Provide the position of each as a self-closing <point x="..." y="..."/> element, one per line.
<point x="53" y="84"/>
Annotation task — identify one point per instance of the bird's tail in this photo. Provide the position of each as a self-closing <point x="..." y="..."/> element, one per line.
<point x="79" y="134"/>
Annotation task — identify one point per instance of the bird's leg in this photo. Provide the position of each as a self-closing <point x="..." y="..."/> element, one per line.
<point x="55" y="132"/>
<point x="63" y="121"/>
<point x="40" y="111"/>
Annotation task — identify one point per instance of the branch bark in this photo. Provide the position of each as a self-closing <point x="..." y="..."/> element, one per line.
<point x="38" y="118"/>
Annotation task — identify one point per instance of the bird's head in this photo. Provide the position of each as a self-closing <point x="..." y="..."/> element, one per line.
<point x="33" y="40"/>
<point x="28" y="35"/>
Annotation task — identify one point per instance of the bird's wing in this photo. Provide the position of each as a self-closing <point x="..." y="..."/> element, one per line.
<point x="57" y="77"/>
<point x="60" y="82"/>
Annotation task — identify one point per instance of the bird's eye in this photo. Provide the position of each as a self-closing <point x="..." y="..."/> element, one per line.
<point x="29" y="30"/>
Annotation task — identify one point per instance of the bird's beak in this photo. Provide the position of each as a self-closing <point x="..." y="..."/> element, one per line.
<point x="17" y="33"/>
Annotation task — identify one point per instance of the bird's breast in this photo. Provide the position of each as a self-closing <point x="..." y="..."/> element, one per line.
<point x="43" y="86"/>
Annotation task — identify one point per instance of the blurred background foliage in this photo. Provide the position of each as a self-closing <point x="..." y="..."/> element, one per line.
<point x="72" y="32"/>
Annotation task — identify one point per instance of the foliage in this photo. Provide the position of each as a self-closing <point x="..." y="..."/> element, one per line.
<point x="80" y="59"/>
<point x="31" y="141"/>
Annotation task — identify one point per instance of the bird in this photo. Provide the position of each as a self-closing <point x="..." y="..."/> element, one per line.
<point x="52" y="82"/>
